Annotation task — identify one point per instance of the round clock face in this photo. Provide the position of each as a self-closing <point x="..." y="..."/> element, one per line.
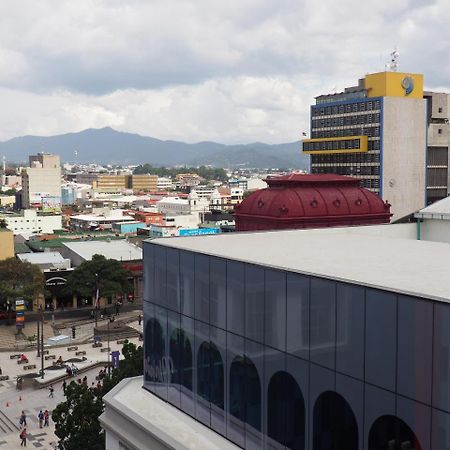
<point x="408" y="85"/>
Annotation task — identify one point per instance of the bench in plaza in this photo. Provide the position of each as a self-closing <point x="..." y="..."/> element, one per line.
<point x="47" y="357"/>
<point x="105" y="349"/>
<point x="80" y="352"/>
<point x="4" y="377"/>
<point x="22" y="361"/>
<point x="16" y="356"/>
<point x="97" y="344"/>
<point x="122" y="341"/>
<point x="29" y="367"/>
<point x="72" y="349"/>
<point x="45" y="352"/>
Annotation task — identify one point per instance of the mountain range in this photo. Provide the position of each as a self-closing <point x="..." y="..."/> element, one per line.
<point x="109" y="146"/>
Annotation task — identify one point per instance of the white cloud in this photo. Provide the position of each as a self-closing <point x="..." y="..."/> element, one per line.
<point x="234" y="71"/>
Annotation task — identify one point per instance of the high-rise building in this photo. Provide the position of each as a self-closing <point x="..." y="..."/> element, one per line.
<point x="377" y="132"/>
<point x="41" y="182"/>
<point x="437" y="176"/>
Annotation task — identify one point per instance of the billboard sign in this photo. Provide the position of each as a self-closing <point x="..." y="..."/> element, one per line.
<point x="197" y="231"/>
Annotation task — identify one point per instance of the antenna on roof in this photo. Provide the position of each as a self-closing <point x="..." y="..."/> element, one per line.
<point x="392" y="65"/>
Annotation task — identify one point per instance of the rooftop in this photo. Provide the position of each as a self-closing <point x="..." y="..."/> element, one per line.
<point x="437" y="210"/>
<point x="42" y="258"/>
<point x="121" y="250"/>
<point x="374" y="256"/>
<point x="158" y="420"/>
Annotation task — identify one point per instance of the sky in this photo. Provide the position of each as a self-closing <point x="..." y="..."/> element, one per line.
<point x="234" y="71"/>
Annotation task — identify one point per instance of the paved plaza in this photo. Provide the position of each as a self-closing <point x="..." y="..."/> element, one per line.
<point x="32" y="398"/>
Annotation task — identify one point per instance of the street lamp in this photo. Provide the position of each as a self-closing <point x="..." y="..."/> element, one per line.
<point x="96" y="300"/>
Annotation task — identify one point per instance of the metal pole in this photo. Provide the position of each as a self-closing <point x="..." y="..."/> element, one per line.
<point x="109" y="353"/>
<point x="42" y="343"/>
<point x="38" y="331"/>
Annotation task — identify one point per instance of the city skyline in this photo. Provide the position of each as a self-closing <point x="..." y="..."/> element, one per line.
<point x="192" y="71"/>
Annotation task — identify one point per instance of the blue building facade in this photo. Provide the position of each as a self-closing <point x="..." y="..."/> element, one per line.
<point x="273" y="359"/>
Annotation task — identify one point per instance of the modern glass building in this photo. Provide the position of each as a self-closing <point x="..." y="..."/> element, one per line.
<point x="317" y="339"/>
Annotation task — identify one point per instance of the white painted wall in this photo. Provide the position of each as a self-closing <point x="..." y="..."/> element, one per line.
<point x="435" y="230"/>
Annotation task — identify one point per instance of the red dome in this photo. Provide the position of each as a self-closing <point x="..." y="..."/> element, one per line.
<point x="310" y="201"/>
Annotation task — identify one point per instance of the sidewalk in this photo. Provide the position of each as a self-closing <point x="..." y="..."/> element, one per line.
<point x="32" y="399"/>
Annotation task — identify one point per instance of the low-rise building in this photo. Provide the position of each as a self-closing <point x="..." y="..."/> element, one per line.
<point x="30" y="221"/>
<point x="101" y="221"/>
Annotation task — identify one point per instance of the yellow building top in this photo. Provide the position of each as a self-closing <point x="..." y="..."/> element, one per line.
<point x="394" y="84"/>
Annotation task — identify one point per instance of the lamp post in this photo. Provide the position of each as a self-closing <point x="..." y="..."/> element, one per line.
<point x="109" y="352"/>
<point x="38" y="331"/>
<point x="96" y="300"/>
<point x="42" y="343"/>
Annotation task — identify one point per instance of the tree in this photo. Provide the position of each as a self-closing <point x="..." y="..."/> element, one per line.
<point x="19" y="280"/>
<point x="3" y="223"/>
<point x="76" y="419"/>
<point x="106" y="275"/>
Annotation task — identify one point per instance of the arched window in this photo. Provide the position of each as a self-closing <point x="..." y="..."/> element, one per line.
<point x="245" y="392"/>
<point x="286" y="411"/>
<point x="154" y="351"/>
<point x="335" y="426"/>
<point x="391" y="433"/>
<point x="210" y="377"/>
<point x="181" y="355"/>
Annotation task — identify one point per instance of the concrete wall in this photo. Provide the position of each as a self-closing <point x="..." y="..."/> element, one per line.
<point x="403" y="154"/>
<point x="435" y="230"/>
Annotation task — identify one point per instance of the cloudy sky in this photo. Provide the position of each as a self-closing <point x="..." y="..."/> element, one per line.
<point x="232" y="71"/>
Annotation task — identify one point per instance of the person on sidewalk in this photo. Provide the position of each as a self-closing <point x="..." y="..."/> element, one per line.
<point x="139" y="319"/>
<point x="23" y="437"/>
<point x="23" y="419"/>
<point x="41" y="418"/>
<point x="64" y="387"/>
<point x="46" y="417"/>
<point x="51" y="390"/>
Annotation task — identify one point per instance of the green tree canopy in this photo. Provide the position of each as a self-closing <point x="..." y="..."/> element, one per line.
<point x="76" y="420"/>
<point x="108" y="275"/>
<point x="20" y="279"/>
<point x="208" y="173"/>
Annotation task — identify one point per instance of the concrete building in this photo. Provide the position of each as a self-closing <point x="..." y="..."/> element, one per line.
<point x="377" y="132"/>
<point x="30" y="221"/>
<point x="128" y="254"/>
<point x="46" y="260"/>
<point x="102" y="220"/>
<point x="438" y="137"/>
<point x="6" y="244"/>
<point x="144" y="182"/>
<point x="305" y="339"/>
<point x="164" y="184"/>
<point x="41" y="183"/>
<point x="110" y="183"/>
<point x="433" y="221"/>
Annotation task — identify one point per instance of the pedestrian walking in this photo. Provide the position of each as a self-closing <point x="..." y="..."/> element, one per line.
<point x="51" y="390"/>
<point x="23" y="437"/>
<point x="23" y="419"/>
<point x="64" y="387"/>
<point x="46" y="417"/>
<point x="139" y="319"/>
<point x="41" y="418"/>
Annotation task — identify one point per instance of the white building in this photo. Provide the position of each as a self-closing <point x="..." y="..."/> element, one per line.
<point x="41" y="182"/>
<point x="164" y="184"/>
<point x="32" y="222"/>
<point x="101" y="220"/>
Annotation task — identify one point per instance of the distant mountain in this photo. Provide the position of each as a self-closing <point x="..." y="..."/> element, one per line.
<point x="108" y="146"/>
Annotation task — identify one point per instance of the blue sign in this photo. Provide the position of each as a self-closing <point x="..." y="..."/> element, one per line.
<point x="198" y="231"/>
<point x="115" y="359"/>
